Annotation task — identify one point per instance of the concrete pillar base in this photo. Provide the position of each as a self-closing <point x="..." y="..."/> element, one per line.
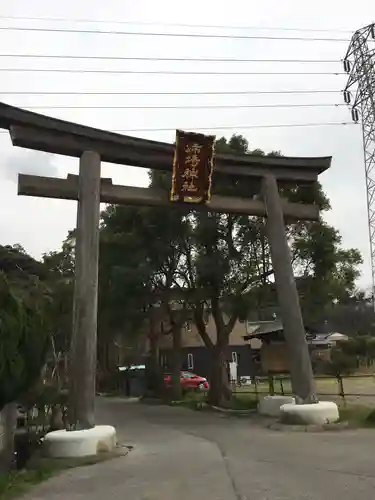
<point x="83" y="443"/>
<point x="270" y="405"/>
<point x="324" y="412"/>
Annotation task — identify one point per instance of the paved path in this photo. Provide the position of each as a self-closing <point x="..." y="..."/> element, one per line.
<point x="180" y="455"/>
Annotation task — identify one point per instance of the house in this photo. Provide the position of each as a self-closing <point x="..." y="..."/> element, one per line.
<point x="196" y="356"/>
<point x="267" y="339"/>
<point x="256" y="347"/>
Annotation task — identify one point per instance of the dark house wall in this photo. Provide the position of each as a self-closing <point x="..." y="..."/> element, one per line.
<point x="200" y="358"/>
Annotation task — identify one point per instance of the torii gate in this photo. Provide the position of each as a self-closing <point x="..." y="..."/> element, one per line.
<point x="91" y="146"/>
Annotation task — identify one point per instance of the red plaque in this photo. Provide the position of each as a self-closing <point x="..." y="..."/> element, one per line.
<point x="192" y="167"/>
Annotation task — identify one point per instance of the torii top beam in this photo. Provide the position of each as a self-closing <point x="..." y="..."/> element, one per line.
<point x="36" y="131"/>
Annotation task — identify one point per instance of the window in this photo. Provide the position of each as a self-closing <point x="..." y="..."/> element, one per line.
<point x="163" y="360"/>
<point x="234" y="357"/>
<point x="190" y="361"/>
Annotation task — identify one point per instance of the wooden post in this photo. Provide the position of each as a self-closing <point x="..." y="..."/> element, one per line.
<point x="8" y="424"/>
<point x="82" y="374"/>
<point x="303" y="384"/>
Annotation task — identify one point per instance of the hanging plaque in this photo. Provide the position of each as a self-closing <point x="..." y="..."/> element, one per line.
<point x="192" y="167"/>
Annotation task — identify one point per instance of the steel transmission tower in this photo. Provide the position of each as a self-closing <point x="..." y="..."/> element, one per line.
<point x="359" y="63"/>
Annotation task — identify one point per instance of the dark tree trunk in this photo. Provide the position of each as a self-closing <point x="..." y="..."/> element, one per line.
<point x="176" y="390"/>
<point x="9" y="423"/>
<point x="154" y="376"/>
<point x="219" y="393"/>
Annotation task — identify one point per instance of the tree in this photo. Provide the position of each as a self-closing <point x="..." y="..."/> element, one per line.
<point x="35" y="313"/>
<point x="139" y="266"/>
<point x="60" y="281"/>
<point x="123" y="284"/>
<point x="327" y="272"/>
<point x="222" y="261"/>
<point x="17" y="264"/>
<point x="24" y="335"/>
<point x="24" y="332"/>
<point x="361" y="349"/>
<point x="340" y="363"/>
<point x="354" y="316"/>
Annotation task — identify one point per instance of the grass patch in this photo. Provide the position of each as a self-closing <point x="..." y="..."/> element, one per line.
<point x="359" y="386"/>
<point x="118" y="393"/>
<point x="14" y="484"/>
<point x="17" y="483"/>
<point x="358" y="416"/>
<point x="244" y="402"/>
<point x="196" y="400"/>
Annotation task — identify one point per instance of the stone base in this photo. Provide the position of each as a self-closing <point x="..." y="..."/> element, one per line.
<point x="84" y="443"/>
<point x="270" y="405"/>
<point x="324" y="412"/>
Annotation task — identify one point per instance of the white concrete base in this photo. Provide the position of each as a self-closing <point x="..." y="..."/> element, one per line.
<point x="270" y="405"/>
<point x="324" y="412"/>
<point x="64" y="444"/>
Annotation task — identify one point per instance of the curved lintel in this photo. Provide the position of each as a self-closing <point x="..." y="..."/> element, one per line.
<point x="44" y="133"/>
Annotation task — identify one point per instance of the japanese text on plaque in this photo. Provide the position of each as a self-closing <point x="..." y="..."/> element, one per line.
<point x="192" y="167"/>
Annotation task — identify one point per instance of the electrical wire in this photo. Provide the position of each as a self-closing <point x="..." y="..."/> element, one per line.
<point x="160" y="72"/>
<point x="152" y="23"/>
<point x="224" y="92"/>
<point x="224" y="106"/>
<point x="178" y="35"/>
<point x="172" y="59"/>
<point x="231" y="127"/>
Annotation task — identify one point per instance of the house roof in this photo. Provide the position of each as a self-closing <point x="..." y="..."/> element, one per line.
<point x="337" y="337"/>
<point x="258" y="328"/>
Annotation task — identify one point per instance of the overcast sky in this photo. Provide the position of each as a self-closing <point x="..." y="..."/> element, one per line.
<point x="40" y="225"/>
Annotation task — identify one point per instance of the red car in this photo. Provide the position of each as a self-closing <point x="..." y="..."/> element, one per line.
<point x="188" y="381"/>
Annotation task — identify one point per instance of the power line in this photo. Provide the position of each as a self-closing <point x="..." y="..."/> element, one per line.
<point x="224" y="106"/>
<point x="172" y="59"/>
<point x="232" y="127"/>
<point x="178" y="35"/>
<point x="160" y="72"/>
<point x="243" y="127"/>
<point x="152" y="23"/>
<point x="224" y="92"/>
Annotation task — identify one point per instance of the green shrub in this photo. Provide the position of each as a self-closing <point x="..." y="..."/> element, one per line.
<point x="24" y="337"/>
<point x="340" y="363"/>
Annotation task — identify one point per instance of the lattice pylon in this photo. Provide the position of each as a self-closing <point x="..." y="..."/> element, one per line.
<point x="359" y="63"/>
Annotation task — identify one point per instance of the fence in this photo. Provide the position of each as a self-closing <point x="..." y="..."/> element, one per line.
<point x="341" y="387"/>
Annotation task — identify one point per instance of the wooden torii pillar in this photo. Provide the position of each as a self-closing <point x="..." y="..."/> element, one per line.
<point x="39" y="132"/>
<point x="83" y="357"/>
<point x="302" y="376"/>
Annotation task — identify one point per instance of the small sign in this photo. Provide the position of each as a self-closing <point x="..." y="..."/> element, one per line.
<point x="192" y="167"/>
